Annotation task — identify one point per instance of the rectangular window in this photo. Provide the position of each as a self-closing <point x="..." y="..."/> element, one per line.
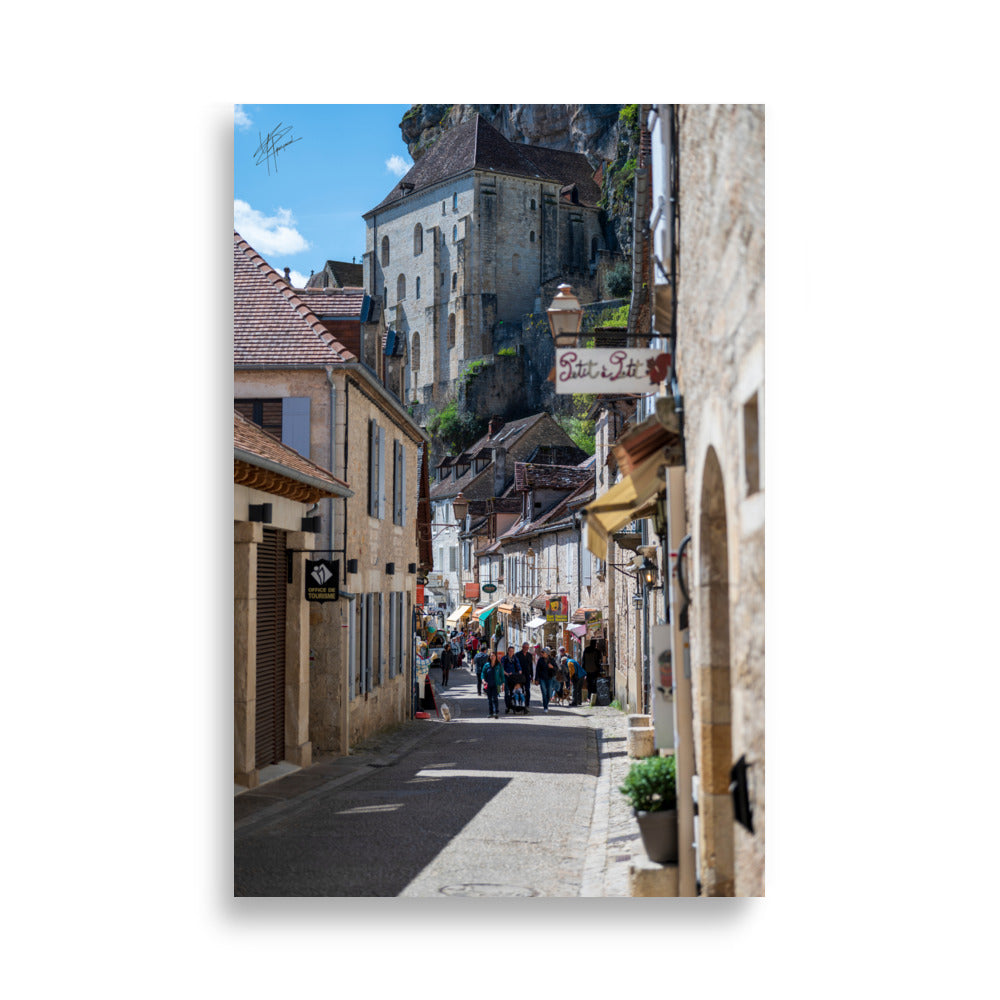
<point x="585" y="566"/>
<point x="453" y="558"/>
<point x="295" y="424"/>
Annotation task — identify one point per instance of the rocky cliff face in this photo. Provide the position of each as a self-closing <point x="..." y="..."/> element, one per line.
<point x="607" y="134"/>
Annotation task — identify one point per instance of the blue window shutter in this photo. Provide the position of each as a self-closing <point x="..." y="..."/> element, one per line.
<point x="402" y="484"/>
<point x="372" y="470"/>
<point x="381" y="473"/>
<point x="295" y="423"/>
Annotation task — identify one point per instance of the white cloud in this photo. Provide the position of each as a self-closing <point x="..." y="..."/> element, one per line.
<point x="268" y="235"/>
<point x="298" y="280"/>
<point x="242" y="118"/>
<point x="397" y="165"/>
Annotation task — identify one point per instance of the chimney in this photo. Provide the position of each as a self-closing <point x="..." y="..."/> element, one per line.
<point x="495" y="424"/>
<point x="288" y="275"/>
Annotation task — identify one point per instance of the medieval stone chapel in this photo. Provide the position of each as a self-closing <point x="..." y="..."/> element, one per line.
<point x="477" y="234"/>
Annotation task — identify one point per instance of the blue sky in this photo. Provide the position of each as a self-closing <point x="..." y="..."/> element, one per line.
<point x="303" y="206"/>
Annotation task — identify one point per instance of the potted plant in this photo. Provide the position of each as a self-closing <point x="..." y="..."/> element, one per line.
<point x="651" y="788"/>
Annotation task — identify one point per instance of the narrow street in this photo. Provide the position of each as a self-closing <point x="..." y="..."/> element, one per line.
<point x="515" y="806"/>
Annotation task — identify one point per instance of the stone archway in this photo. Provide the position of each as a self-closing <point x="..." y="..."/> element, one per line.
<point x="714" y="689"/>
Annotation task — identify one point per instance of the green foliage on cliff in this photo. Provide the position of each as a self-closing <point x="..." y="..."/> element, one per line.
<point x="454" y="428"/>
<point x="576" y="424"/>
<point x="629" y="116"/>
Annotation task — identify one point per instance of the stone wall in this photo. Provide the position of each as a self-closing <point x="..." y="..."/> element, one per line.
<point x="720" y="365"/>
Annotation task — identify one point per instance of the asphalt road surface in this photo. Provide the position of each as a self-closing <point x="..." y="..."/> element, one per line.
<point x="480" y="807"/>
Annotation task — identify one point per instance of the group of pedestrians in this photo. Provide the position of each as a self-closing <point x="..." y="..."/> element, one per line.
<point x="458" y="647"/>
<point x="515" y="672"/>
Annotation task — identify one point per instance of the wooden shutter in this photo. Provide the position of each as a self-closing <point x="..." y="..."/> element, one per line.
<point x="270" y="707"/>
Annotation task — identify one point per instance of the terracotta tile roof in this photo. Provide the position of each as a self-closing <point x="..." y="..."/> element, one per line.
<point x="335" y="303"/>
<point x="508" y="435"/>
<point x="477" y="145"/>
<point x="338" y="274"/>
<point x="550" y="477"/>
<point x="252" y="440"/>
<point x="272" y="325"/>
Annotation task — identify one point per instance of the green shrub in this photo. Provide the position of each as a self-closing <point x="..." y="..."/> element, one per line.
<point x="507" y="352"/>
<point x="651" y="784"/>
<point x="619" y="280"/>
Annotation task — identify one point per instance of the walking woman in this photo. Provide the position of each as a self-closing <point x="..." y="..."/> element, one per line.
<point x="493" y="683"/>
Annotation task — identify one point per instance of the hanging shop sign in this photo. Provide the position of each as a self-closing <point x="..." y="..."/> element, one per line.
<point x="322" y="580"/>
<point x="610" y="369"/>
<point x="595" y="624"/>
<point x="489" y="588"/>
<point x="557" y="609"/>
<point x="472" y="591"/>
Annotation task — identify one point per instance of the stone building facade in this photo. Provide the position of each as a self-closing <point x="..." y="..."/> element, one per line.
<point x="470" y="238"/>
<point x="331" y="407"/>
<point x="484" y="470"/>
<point x="274" y="490"/>
<point x="720" y="359"/>
<point x="681" y="483"/>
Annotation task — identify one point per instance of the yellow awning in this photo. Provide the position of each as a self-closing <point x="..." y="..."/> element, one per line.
<point x="623" y="503"/>
<point x="456" y="616"/>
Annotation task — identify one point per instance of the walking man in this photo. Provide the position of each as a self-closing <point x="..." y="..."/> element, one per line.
<point x="510" y="667"/>
<point x="526" y="666"/>
<point x="544" y="672"/>
<point x="592" y="666"/>
<point x="477" y="665"/>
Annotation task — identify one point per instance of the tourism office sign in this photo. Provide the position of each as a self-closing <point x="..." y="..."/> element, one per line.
<point x="610" y="370"/>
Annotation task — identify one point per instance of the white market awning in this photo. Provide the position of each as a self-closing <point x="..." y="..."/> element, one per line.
<point x="457" y="616"/>
<point x="536" y="623"/>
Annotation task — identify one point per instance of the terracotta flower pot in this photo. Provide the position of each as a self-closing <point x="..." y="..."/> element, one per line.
<point x="659" y="834"/>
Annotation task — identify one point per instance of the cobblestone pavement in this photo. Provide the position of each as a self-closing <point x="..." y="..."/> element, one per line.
<point x="612" y="837"/>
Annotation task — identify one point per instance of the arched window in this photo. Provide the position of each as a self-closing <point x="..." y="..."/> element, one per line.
<point x="415" y="356"/>
<point x="454" y="202"/>
<point x="418" y="239"/>
<point x="454" y="234"/>
<point x="385" y="249"/>
<point x="532" y="236"/>
<point x="401" y="288"/>
<point x="451" y="330"/>
<point x="418" y="288"/>
<point x="532" y="204"/>
<point x="454" y="281"/>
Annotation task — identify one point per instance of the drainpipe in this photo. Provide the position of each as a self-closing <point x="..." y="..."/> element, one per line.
<point x="333" y="449"/>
